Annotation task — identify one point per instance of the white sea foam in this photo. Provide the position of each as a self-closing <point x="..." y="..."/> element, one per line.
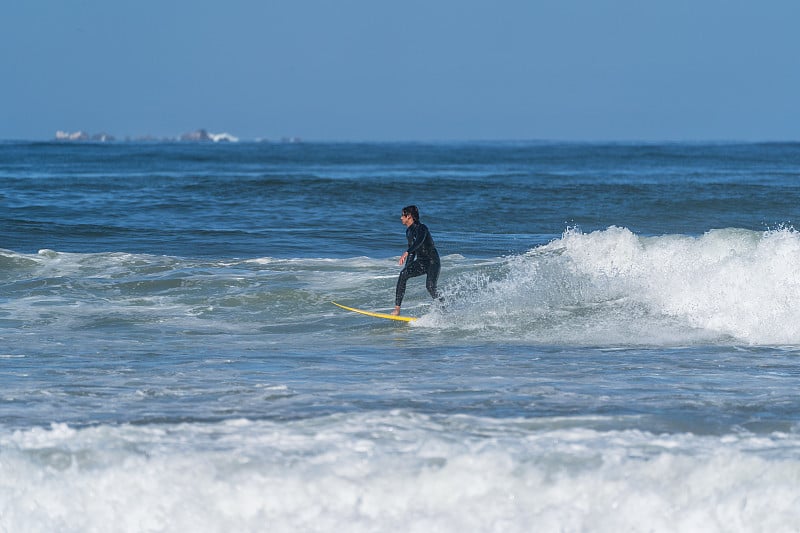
<point x="395" y="471"/>
<point x="613" y="286"/>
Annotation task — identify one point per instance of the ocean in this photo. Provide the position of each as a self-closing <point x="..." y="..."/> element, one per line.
<point x="618" y="347"/>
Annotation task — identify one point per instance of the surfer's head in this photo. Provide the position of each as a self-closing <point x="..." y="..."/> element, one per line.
<point x="412" y="211"/>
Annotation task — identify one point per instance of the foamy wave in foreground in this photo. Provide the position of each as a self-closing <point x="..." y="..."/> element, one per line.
<point x="395" y="471"/>
<point x="614" y="286"/>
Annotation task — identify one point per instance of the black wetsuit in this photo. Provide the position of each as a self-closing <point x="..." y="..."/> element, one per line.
<point x="423" y="258"/>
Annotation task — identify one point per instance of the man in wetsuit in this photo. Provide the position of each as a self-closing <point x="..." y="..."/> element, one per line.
<point x="420" y="258"/>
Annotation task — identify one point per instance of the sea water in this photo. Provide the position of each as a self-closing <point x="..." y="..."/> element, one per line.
<point x="618" y="348"/>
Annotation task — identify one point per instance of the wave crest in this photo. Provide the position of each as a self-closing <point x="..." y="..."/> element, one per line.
<point x="613" y="286"/>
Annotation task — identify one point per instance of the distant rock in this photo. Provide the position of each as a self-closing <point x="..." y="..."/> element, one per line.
<point x="223" y="137"/>
<point x="195" y="136"/>
<point x="202" y="135"/>
<point x="78" y="136"/>
<point x="74" y="136"/>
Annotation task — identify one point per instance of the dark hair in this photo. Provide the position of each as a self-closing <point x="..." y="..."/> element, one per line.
<point x="413" y="211"/>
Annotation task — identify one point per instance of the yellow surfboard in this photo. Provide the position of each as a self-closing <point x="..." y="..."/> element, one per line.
<point x="377" y="315"/>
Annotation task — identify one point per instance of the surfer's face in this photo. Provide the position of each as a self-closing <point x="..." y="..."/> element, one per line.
<point x="407" y="220"/>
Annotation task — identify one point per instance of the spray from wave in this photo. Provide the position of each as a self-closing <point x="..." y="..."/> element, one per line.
<point x="616" y="287"/>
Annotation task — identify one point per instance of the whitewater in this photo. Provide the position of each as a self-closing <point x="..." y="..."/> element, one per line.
<point x="395" y="471"/>
<point x="615" y="287"/>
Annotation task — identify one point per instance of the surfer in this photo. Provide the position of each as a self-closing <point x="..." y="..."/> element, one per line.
<point x="420" y="258"/>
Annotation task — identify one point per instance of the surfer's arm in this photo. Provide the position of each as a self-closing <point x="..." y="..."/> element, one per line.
<point x="403" y="258"/>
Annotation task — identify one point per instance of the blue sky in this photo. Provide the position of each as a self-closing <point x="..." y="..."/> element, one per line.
<point x="371" y="70"/>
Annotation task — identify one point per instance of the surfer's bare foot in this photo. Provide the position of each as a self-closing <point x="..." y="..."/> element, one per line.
<point x="396" y="311"/>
